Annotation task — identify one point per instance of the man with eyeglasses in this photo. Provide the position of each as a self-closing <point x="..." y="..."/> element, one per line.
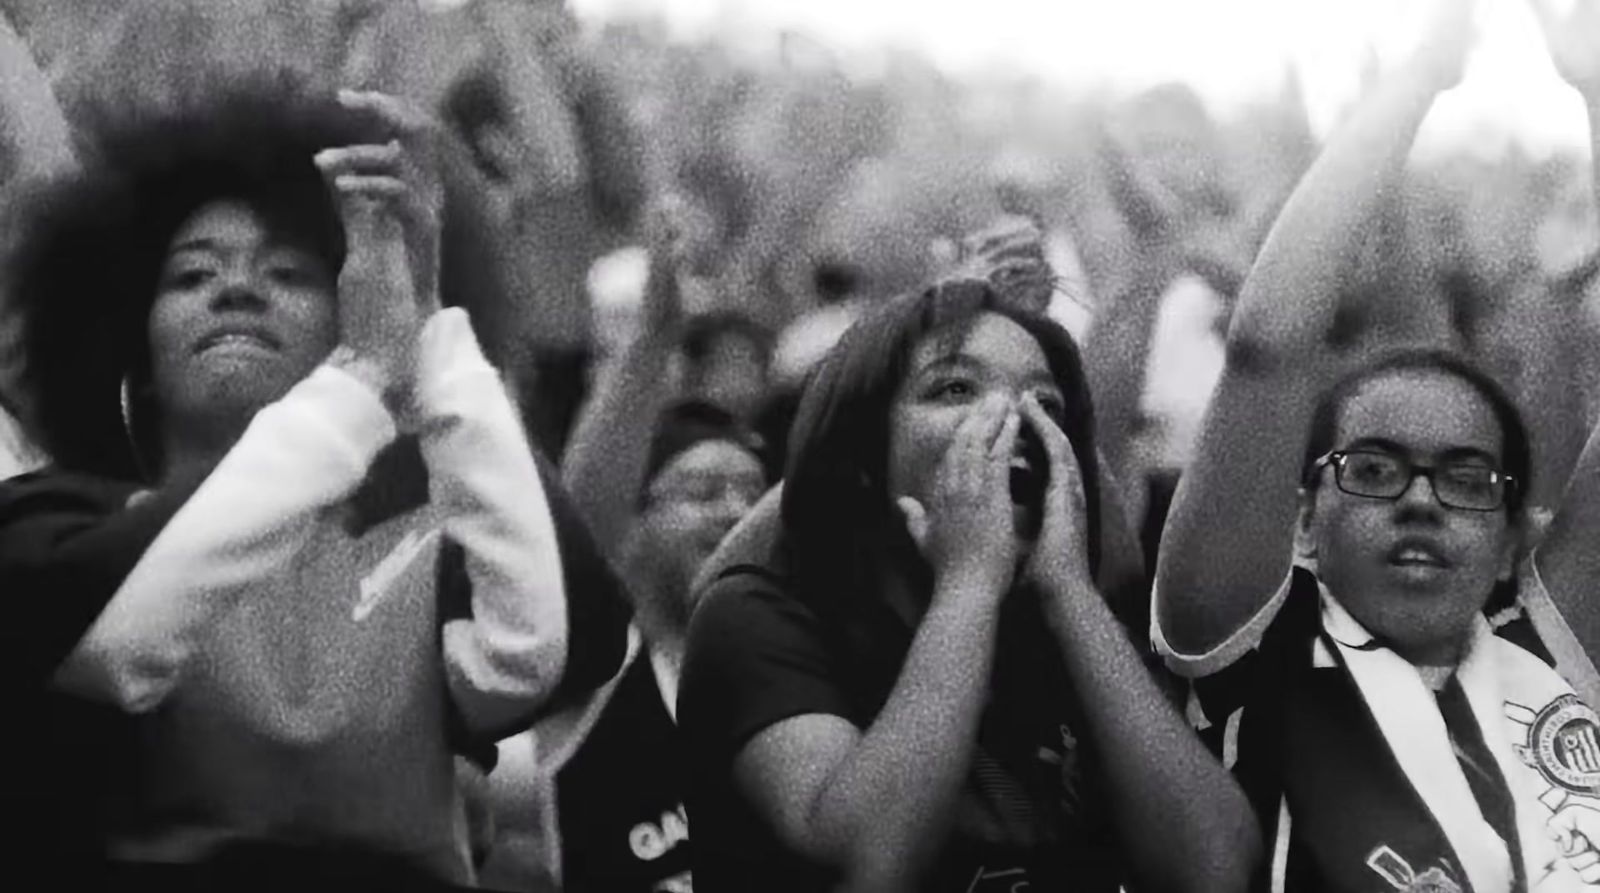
<point x="611" y="775"/>
<point x="1390" y="710"/>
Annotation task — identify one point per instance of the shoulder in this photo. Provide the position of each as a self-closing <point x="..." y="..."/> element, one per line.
<point x="751" y="606"/>
<point x="52" y="489"/>
<point x="757" y="655"/>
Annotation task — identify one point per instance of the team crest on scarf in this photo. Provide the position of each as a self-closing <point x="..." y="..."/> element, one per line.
<point x="1405" y="879"/>
<point x="1563" y="743"/>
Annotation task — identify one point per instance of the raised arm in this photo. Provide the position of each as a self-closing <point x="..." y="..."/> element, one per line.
<point x="1228" y="542"/>
<point x="34" y="136"/>
<point x="504" y="660"/>
<point x="605" y="463"/>
<point x="304" y="453"/>
<point x="1567" y="561"/>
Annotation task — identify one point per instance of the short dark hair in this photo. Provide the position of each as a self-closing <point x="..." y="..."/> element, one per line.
<point x="1516" y="448"/>
<point x="685" y="424"/>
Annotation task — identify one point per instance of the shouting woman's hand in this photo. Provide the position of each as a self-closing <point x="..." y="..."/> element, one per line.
<point x="967" y="531"/>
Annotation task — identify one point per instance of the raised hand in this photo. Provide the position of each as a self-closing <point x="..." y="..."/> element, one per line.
<point x="390" y="200"/>
<point x="1451" y="33"/>
<point x="1573" y="38"/>
<point x="1060" y="557"/>
<point x="967" y="531"/>
<point x="667" y="227"/>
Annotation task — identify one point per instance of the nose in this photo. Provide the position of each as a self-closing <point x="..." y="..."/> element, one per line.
<point x="1419" y="497"/>
<point x="239" y="291"/>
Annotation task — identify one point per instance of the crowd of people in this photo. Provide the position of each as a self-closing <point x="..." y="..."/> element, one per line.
<point x="380" y="519"/>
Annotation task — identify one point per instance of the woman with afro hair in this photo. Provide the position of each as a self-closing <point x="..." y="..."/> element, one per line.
<point x="294" y="554"/>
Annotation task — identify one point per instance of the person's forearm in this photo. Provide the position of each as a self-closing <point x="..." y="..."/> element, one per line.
<point x="1591" y="101"/>
<point x="505" y="660"/>
<point x="604" y="465"/>
<point x="245" y="523"/>
<point x="33" y="130"/>
<point x="1290" y="299"/>
<point x="887" y="807"/>
<point x="1212" y="577"/>
<point x="1182" y="820"/>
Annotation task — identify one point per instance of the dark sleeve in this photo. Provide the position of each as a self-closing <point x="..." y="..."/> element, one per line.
<point x="66" y="544"/>
<point x="598" y="613"/>
<point x="1263" y="677"/>
<point x="756" y="656"/>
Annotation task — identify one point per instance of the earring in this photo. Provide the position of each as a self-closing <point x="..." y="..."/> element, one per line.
<point x="125" y="399"/>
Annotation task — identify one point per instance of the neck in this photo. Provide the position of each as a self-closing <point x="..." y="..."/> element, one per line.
<point x="1445" y="655"/>
<point x="192" y="447"/>
<point x="663" y="630"/>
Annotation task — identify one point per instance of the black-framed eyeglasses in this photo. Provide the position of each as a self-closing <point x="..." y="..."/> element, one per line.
<point x="1467" y="485"/>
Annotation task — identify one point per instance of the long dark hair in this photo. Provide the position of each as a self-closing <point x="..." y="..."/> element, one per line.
<point x="840" y="525"/>
<point x="83" y="268"/>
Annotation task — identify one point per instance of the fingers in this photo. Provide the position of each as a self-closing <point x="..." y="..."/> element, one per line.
<point x="971" y="447"/>
<point x="361" y="158"/>
<point x="1005" y="442"/>
<point x="1548" y="18"/>
<point x="387" y="115"/>
<point x="1065" y="475"/>
<point x="916" y="518"/>
<point x="1056" y="445"/>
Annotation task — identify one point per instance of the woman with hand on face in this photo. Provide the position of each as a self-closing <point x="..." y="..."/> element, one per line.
<point x="1339" y="571"/>
<point x="922" y="688"/>
<point x="310" y="558"/>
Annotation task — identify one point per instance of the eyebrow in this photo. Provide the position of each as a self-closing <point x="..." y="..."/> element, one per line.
<point x="960" y="360"/>
<point x="1447" y="455"/>
<point x="197" y="244"/>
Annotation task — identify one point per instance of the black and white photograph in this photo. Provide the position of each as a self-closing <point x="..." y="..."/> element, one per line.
<point x="806" y="446"/>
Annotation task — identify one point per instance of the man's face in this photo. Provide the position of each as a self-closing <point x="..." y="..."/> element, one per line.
<point x="1412" y="570"/>
<point x="695" y="500"/>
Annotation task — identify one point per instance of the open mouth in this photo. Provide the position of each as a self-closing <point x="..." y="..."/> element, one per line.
<point x="1416" y="553"/>
<point x="229" y="339"/>
<point x="1028" y="480"/>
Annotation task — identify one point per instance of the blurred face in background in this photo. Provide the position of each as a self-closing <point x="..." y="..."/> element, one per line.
<point x="732" y="375"/>
<point x="692" y="503"/>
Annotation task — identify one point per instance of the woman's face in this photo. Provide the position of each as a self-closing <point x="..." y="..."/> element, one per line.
<point x="950" y="374"/>
<point x="1413" y="571"/>
<point x="241" y="314"/>
<point x="695" y="500"/>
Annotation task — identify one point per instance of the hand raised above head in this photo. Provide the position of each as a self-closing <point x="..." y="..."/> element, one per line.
<point x="1573" y="37"/>
<point x="389" y="199"/>
<point x="1451" y="33"/>
<point x="400" y="164"/>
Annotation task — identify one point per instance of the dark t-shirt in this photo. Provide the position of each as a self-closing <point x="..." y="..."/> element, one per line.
<point x="623" y="827"/>
<point x="757" y="656"/>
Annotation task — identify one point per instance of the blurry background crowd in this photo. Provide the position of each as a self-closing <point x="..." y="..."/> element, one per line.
<point x="805" y="184"/>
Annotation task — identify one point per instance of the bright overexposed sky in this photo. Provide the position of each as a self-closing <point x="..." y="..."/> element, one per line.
<point x="1230" y="50"/>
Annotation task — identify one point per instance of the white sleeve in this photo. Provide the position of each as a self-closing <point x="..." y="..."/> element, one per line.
<point x="307" y="451"/>
<point x="504" y="660"/>
<point x="1244" y="639"/>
